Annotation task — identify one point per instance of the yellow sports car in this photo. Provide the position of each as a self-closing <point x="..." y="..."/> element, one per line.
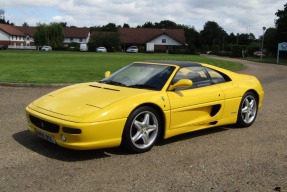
<point x="143" y="102"/>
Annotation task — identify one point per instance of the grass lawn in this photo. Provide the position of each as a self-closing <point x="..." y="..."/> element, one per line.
<point x="73" y="67"/>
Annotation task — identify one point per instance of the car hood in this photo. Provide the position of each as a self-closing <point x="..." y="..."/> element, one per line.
<point x="84" y="99"/>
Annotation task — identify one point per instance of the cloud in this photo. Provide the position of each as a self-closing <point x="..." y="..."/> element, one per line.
<point x="232" y="16"/>
<point x="30" y="3"/>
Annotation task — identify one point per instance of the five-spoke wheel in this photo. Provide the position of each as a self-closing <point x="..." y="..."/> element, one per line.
<point x="247" y="110"/>
<point x="142" y="129"/>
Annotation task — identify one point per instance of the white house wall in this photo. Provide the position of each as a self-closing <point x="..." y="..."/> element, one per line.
<point x="164" y="40"/>
<point x="75" y="40"/>
<point x="4" y="36"/>
<point x="16" y="38"/>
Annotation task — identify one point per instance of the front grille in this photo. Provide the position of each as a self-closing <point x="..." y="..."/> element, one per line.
<point x="47" y="126"/>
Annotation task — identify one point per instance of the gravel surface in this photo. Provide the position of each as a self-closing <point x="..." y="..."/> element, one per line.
<point x="219" y="159"/>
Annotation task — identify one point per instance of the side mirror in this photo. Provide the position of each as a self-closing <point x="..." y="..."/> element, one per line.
<point x="107" y="73"/>
<point x="180" y="84"/>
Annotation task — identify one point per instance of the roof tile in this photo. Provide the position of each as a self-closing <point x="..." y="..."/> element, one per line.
<point x="11" y="30"/>
<point x="144" y="35"/>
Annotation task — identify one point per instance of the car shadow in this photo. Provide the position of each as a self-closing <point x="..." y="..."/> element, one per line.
<point x="194" y="134"/>
<point x="47" y="149"/>
<point x="50" y="150"/>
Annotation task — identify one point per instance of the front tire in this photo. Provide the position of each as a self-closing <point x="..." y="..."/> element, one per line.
<point x="142" y="130"/>
<point x="247" y="110"/>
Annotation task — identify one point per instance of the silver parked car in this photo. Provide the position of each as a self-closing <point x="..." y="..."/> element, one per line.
<point x="132" y="49"/>
<point x="46" y="48"/>
<point x="101" y="50"/>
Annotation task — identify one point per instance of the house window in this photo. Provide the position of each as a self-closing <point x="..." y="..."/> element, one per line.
<point x="163" y="40"/>
<point x="81" y="39"/>
<point x="71" y="39"/>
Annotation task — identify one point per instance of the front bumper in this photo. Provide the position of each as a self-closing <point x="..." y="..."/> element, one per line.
<point x="80" y="136"/>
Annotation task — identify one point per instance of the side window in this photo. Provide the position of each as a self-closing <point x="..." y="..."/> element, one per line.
<point x="217" y="77"/>
<point x="197" y="74"/>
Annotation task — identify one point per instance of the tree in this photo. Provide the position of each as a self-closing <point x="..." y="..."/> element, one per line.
<point x="269" y="43"/>
<point x="245" y="38"/>
<point x="148" y="25"/>
<point x="231" y="39"/>
<point x="110" y="40"/>
<point x="111" y="27"/>
<point x="25" y="24"/>
<point x="212" y="34"/>
<point x="126" y="25"/>
<point x="56" y="35"/>
<point x="64" y="24"/>
<point x="3" y="21"/>
<point x="166" y="24"/>
<point x="281" y="24"/>
<point x="41" y="35"/>
<point x="51" y="34"/>
<point x="192" y="37"/>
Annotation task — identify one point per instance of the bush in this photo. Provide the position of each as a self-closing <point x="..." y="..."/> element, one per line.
<point x="252" y="49"/>
<point x="178" y="51"/>
<point x="224" y="53"/>
<point x="236" y="50"/>
<point x="204" y="48"/>
<point x="215" y="49"/>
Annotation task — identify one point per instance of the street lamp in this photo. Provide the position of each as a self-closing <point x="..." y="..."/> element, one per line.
<point x="263" y="28"/>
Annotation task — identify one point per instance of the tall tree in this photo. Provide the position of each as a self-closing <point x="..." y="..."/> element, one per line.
<point x="41" y="35"/>
<point x="56" y="34"/>
<point x="269" y="43"/>
<point x="281" y="24"/>
<point x="212" y="34"/>
<point x="110" y="40"/>
<point x="51" y="34"/>
<point x="192" y="37"/>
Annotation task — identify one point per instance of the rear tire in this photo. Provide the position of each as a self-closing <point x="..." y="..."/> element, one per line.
<point x="247" y="110"/>
<point x="142" y="130"/>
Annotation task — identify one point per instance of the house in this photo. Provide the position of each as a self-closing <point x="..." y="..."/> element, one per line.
<point x="11" y="35"/>
<point x="23" y="37"/>
<point x="163" y="39"/>
<point x="29" y="33"/>
<point x="76" y="35"/>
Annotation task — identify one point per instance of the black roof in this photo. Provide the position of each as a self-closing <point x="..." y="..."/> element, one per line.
<point x="178" y="63"/>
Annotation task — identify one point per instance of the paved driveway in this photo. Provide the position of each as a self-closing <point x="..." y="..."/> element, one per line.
<point x="221" y="159"/>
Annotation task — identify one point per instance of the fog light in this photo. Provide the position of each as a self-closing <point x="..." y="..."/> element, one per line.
<point x="63" y="138"/>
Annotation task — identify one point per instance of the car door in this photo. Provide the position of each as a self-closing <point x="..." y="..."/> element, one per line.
<point x="197" y="106"/>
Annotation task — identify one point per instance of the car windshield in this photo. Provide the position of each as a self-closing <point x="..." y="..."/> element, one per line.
<point x="143" y="76"/>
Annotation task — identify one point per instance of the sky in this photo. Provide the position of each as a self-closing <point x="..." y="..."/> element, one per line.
<point x="245" y="16"/>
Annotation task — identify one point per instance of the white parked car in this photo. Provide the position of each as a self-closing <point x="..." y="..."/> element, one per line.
<point x="132" y="49"/>
<point x="83" y="47"/>
<point x="46" y="48"/>
<point x="101" y="50"/>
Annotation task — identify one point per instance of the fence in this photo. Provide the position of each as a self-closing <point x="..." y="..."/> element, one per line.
<point x="22" y="47"/>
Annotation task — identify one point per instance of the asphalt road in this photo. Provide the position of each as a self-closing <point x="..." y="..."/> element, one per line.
<point x="220" y="159"/>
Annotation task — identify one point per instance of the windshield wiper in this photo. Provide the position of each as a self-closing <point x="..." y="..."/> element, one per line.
<point x="143" y="86"/>
<point x="110" y="82"/>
